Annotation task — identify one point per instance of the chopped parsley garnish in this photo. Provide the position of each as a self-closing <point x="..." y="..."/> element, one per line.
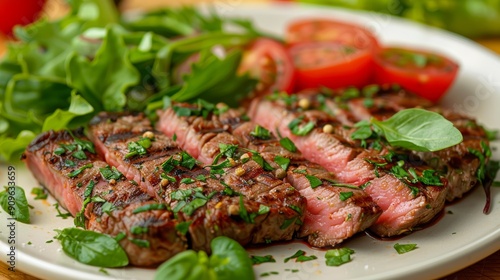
<point x="120" y="236"/>
<point x="140" y="242"/>
<point x="261" y="133"/>
<point x="80" y="216"/>
<point x="109" y="173"/>
<point x="59" y="213"/>
<point x="337" y="257"/>
<point x="262" y="259"/>
<point x="296" y="209"/>
<point x="149" y="207"/>
<point x="138" y="148"/>
<point x="168" y="177"/>
<point x="249" y="218"/>
<point x="261" y="161"/>
<point x="139" y="230"/>
<point x="300" y="256"/>
<point x="39" y="192"/>
<point x="345" y="195"/>
<point x="404" y="248"/>
<point x="299" y="130"/>
<point x="187" y="181"/>
<point x="183" y="227"/>
<point x="283" y="162"/>
<point x="75" y="172"/>
<point x="314" y="181"/>
<point x="288" y="144"/>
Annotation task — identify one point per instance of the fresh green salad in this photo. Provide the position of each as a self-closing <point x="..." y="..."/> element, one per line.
<point x="63" y="72"/>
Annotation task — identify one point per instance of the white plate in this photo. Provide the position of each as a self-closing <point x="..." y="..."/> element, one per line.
<point x="456" y="241"/>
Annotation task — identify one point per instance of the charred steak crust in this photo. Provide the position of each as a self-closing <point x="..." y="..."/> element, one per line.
<point x="76" y="181"/>
<point x="249" y="210"/>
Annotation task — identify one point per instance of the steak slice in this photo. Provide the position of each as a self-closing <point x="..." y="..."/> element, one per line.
<point x="351" y="162"/>
<point x="73" y="176"/>
<point x="337" y="221"/>
<point x="212" y="203"/>
<point x="459" y="164"/>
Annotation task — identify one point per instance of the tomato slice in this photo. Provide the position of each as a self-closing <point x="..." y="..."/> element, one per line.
<point x="331" y="65"/>
<point x="330" y="53"/>
<point x="424" y="73"/>
<point x="269" y="62"/>
<point x="18" y="12"/>
<point x="326" y="30"/>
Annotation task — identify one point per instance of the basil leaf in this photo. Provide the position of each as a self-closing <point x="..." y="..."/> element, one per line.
<point x="92" y="248"/>
<point x="229" y="260"/>
<point x="19" y="209"/>
<point x="404" y="248"/>
<point x="419" y="130"/>
<point x="337" y="257"/>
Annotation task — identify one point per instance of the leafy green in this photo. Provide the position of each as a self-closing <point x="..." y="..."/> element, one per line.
<point x="283" y="162"/>
<point x="300" y="256"/>
<point x="337" y="257"/>
<point x="92" y="248"/>
<point x="63" y="72"/>
<point x="262" y="259"/>
<point x="14" y="202"/>
<point x="405" y="248"/>
<point x="288" y="144"/>
<point x="419" y="130"/>
<point x="228" y="261"/>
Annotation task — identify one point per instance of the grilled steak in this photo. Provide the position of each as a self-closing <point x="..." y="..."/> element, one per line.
<point x="458" y="163"/>
<point x="324" y="140"/>
<point x="249" y="208"/>
<point x="328" y="218"/>
<point x="73" y="174"/>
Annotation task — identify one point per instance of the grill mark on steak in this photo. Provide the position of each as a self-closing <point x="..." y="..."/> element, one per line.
<point x="350" y="162"/>
<point x="219" y="211"/>
<point x="52" y="171"/>
<point x="341" y="219"/>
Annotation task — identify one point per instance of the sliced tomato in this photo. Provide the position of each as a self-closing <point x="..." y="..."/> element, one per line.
<point x="330" y="53"/>
<point x="18" y="12"/>
<point x="326" y="30"/>
<point x="269" y="62"/>
<point x="331" y="65"/>
<point x="424" y="73"/>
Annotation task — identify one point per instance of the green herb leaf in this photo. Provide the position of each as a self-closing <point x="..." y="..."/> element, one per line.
<point x="183" y="227"/>
<point x="19" y="209"/>
<point x="39" y="192"/>
<point x="345" y="195"/>
<point x="261" y="133"/>
<point x="283" y="162"/>
<point x="419" y="130"/>
<point x="337" y="257"/>
<point x="299" y="130"/>
<point x="149" y="207"/>
<point x="76" y="172"/>
<point x="229" y="260"/>
<point x="314" y="181"/>
<point x="404" y="248"/>
<point x="262" y="259"/>
<point x="288" y="144"/>
<point x="92" y="248"/>
<point x="109" y="173"/>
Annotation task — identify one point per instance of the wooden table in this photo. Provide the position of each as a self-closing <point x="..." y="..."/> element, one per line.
<point x="486" y="269"/>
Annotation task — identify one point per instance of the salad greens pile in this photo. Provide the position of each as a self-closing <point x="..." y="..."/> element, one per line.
<point x="63" y="72"/>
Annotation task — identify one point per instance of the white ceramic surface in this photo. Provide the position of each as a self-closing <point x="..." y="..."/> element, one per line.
<point x="456" y="241"/>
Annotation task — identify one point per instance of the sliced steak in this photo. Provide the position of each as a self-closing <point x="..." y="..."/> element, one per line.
<point x="459" y="164"/>
<point x="322" y="228"/>
<point x="213" y="203"/>
<point x="329" y="143"/>
<point x="74" y="176"/>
